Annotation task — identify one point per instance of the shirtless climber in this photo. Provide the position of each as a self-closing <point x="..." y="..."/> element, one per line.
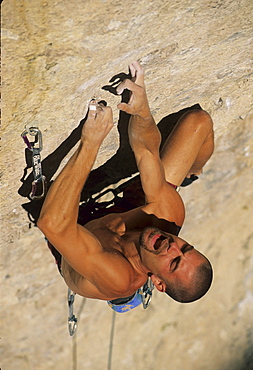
<point x="113" y="256"/>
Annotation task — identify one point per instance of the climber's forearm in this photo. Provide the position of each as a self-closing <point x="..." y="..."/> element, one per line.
<point x="60" y="209"/>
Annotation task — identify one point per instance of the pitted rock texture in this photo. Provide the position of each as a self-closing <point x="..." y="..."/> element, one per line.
<point x="56" y="55"/>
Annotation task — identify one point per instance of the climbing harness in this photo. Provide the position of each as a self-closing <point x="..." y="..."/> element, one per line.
<point x="72" y="320"/>
<point x="39" y="182"/>
<point x="143" y="295"/>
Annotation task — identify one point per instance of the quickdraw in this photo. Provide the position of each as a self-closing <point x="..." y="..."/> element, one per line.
<point x="39" y="183"/>
<point x="72" y="320"/>
<point x="146" y="292"/>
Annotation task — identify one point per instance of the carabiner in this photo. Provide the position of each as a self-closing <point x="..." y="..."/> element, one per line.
<point x="33" y="131"/>
<point x="147" y="290"/>
<point x="35" y="147"/>
<point x="43" y="182"/>
<point x="72" y="320"/>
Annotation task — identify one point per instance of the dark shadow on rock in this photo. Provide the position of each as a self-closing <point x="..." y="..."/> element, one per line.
<point x="121" y="166"/>
<point x="49" y="167"/>
<point x="115" y="81"/>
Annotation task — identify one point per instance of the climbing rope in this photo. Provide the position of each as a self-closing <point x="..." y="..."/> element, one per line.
<point x="111" y="341"/>
<point x="74" y="342"/>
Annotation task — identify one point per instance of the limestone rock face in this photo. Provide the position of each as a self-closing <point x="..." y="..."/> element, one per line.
<point x="56" y="55"/>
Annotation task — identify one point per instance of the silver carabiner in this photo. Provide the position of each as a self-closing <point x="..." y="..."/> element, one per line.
<point x="72" y="325"/>
<point x="33" y="131"/>
<point x="43" y="182"/>
<point x="72" y="320"/>
<point x="147" y="290"/>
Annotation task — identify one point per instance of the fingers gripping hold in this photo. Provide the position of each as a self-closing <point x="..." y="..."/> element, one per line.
<point x="137" y="73"/>
<point x="126" y="84"/>
<point x="99" y="122"/>
<point x="96" y="107"/>
<point x="93" y="105"/>
<point x="92" y="108"/>
<point x="138" y="100"/>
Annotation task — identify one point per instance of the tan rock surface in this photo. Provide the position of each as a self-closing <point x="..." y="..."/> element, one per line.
<point x="56" y="56"/>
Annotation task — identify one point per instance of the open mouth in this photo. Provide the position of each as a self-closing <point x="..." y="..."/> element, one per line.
<point x="159" y="241"/>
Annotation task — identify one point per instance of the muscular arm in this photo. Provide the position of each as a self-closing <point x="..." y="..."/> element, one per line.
<point x="185" y="152"/>
<point x="144" y="135"/>
<point x="60" y="208"/>
<point x="58" y="219"/>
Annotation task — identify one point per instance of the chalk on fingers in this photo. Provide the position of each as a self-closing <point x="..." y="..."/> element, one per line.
<point x="93" y="107"/>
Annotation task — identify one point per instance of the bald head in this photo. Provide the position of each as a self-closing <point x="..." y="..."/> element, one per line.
<point x="197" y="287"/>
